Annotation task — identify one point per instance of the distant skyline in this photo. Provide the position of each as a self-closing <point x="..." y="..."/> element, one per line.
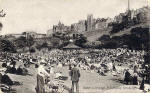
<point x="41" y="15"/>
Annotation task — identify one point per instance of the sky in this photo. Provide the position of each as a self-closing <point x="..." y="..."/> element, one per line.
<point x="41" y="15"/>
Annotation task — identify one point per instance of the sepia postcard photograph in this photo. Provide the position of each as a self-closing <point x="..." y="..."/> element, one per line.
<point x="74" y="46"/>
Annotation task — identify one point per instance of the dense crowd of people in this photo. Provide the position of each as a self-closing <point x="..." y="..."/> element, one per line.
<point x="120" y="61"/>
<point x="96" y="57"/>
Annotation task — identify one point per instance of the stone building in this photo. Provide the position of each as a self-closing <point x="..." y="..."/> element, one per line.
<point x="79" y="27"/>
<point x="100" y="24"/>
<point x="119" y="18"/>
<point x="58" y="28"/>
<point x="27" y="34"/>
<point x="90" y="22"/>
<point x="49" y="32"/>
<point x="74" y="27"/>
<point x="61" y="28"/>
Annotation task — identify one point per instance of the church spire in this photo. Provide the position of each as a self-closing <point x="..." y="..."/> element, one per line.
<point x="128" y="5"/>
<point x="59" y="23"/>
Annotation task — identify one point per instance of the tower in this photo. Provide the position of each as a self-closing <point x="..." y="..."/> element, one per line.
<point x="128" y="10"/>
<point x="128" y="5"/>
<point x="90" y="22"/>
<point x="129" y="15"/>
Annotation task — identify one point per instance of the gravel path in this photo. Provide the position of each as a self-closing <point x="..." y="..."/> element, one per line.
<point x="90" y="82"/>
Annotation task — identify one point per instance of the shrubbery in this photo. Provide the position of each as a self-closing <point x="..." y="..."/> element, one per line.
<point x="138" y="39"/>
<point x="7" y="46"/>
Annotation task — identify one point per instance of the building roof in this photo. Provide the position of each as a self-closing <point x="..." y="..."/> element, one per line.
<point x="71" y="46"/>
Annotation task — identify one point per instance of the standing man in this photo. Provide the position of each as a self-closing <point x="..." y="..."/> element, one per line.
<point x="75" y="75"/>
<point x="135" y="67"/>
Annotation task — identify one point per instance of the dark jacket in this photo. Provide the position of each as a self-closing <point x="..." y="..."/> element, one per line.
<point x="75" y="74"/>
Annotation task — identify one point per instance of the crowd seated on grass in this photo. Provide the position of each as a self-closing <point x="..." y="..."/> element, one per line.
<point x="100" y="61"/>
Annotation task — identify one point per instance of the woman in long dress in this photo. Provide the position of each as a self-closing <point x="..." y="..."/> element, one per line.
<point x="42" y="73"/>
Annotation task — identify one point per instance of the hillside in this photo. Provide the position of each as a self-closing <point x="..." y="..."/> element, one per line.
<point x="127" y="31"/>
<point x="94" y="35"/>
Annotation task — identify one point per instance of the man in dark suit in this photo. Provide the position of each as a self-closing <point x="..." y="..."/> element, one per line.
<point x="75" y="75"/>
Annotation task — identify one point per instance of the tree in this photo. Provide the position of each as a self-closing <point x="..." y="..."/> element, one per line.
<point x="24" y="33"/>
<point x="110" y="44"/>
<point x="56" y="42"/>
<point x="141" y="17"/>
<point x="7" y="46"/>
<point x="30" y="41"/>
<point x="21" y="42"/>
<point x="141" y="36"/>
<point x="81" y="41"/>
<point x="104" y="38"/>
